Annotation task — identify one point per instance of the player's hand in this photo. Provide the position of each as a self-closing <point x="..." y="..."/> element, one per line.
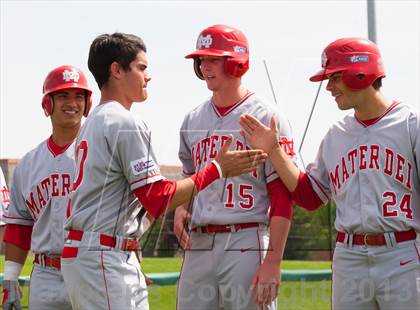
<point x="147" y="279"/>
<point x="259" y="135"/>
<point x="181" y="219"/>
<point x="234" y="163"/>
<point x="11" y="295"/>
<point x="266" y="283"/>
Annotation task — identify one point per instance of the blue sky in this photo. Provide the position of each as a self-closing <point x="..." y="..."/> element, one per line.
<point x="37" y="36"/>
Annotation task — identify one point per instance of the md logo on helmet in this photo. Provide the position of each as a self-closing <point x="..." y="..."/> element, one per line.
<point x="205" y="41"/>
<point x="71" y="75"/>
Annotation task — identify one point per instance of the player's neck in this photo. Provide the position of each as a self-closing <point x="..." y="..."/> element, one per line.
<point x="374" y="107"/>
<point x="109" y="93"/>
<point x="228" y="97"/>
<point x="64" y="136"/>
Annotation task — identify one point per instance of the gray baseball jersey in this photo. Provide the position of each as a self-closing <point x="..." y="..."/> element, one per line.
<point x="114" y="157"/>
<point x="4" y="196"/>
<point x="39" y="195"/>
<point x="371" y="172"/>
<point x="241" y="199"/>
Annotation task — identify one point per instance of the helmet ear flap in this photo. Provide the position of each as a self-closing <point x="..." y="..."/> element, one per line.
<point x="197" y="70"/>
<point x="355" y="79"/>
<point x="236" y="67"/>
<point x="47" y="105"/>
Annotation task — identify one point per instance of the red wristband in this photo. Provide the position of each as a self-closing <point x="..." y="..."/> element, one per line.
<point x="205" y="177"/>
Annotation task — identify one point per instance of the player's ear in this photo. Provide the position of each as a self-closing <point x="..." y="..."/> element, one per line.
<point x="115" y="70"/>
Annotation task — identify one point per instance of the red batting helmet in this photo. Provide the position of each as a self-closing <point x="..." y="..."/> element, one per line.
<point x="64" y="77"/>
<point x="222" y="41"/>
<point x="359" y="60"/>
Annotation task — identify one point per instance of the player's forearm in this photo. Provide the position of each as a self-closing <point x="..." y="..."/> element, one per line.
<point x="279" y="230"/>
<point x="285" y="168"/>
<point x="187" y="189"/>
<point x="184" y="193"/>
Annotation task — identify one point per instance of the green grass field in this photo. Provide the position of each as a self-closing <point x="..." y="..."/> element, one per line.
<point x="293" y="295"/>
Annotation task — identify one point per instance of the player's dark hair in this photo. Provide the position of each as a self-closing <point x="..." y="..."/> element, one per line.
<point x="377" y="84"/>
<point x="107" y="48"/>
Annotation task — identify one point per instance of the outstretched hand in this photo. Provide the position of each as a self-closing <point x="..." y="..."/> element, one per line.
<point x="234" y="163"/>
<point x="259" y="135"/>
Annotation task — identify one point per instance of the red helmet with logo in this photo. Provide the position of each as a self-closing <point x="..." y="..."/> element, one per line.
<point x="222" y="41"/>
<point x="359" y="60"/>
<point x="64" y="77"/>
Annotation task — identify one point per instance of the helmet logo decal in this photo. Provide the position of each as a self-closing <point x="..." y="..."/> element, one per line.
<point x="359" y="58"/>
<point x="239" y="49"/>
<point x="205" y="41"/>
<point x="71" y="75"/>
<point x="324" y="59"/>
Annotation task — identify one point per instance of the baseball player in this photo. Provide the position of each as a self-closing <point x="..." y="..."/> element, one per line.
<point x="367" y="163"/>
<point x="4" y="202"/>
<point x="116" y="165"/>
<point x="229" y="232"/>
<point x="39" y="195"/>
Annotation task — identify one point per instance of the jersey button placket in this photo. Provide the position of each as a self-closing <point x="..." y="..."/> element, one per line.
<point x="57" y="164"/>
<point x="364" y="191"/>
<point x="219" y="124"/>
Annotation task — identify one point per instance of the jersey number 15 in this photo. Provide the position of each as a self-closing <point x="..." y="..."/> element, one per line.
<point x="244" y="192"/>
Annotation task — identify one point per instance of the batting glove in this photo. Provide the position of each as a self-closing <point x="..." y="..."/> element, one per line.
<point x="11" y="295"/>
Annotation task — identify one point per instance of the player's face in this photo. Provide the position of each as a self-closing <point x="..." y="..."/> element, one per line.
<point x="136" y="79"/>
<point x="213" y="71"/>
<point x="344" y="97"/>
<point x="69" y="105"/>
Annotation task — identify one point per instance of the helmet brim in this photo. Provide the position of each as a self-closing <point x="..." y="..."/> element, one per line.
<point x="68" y="86"/>
<point x="325" y="73"/>
<point x="209" y="52"/>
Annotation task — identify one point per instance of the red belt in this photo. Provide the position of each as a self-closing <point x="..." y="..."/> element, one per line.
<point x="48" y="261"/>
<point x="223" y="228"/>
<point x="126" y="244"/>
<point x="378" y="239"/>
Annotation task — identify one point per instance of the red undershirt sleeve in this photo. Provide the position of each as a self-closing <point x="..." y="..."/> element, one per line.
<point x="155" y="197"/>
<point x="19" y="235"/>
<point x="304" y="194"/>
<point x="281" y="202"/>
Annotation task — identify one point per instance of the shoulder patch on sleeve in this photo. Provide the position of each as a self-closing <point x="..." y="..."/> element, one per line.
<point x="141" y="165"/>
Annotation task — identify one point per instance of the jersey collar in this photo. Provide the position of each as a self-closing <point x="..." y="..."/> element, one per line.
<point x="56" y="149"/>
<point x="221" y="112"/>
<point x="372" y="121"/>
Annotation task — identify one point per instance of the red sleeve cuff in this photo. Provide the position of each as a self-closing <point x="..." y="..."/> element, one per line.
<point x="304" y="194"/>
<point x="205" y="176"/>
<point x="281" y="202"/>
<point x="19" y="235"/>
<point x="155" y="197"/>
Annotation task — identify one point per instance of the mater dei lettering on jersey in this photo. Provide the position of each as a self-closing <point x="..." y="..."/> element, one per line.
<point x="371" y="157"/>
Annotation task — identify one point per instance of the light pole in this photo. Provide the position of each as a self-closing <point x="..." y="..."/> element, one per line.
<point x="371" y="15"/>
